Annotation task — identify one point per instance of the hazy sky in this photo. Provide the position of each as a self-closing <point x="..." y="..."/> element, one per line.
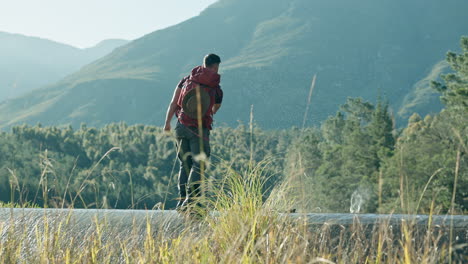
<point x="83" y="23"/>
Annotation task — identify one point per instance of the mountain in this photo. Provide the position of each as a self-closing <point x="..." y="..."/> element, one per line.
<point x="423" y="99"/>
<point x="103" y="48"/>
<point x="270" y="51"/>
<point x="29" y="62"/>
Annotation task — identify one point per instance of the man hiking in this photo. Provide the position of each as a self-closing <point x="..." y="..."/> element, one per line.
<point x="196" y="99"/>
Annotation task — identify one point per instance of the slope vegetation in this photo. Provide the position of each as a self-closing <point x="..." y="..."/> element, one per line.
<point x="270" y="51"/>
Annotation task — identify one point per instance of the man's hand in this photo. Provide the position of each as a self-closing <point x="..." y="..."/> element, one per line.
<point x="216" y="108"/>
<point x="167" y="127"/>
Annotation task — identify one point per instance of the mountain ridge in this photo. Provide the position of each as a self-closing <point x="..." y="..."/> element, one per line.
<point x="269" y="55"/>
<point x="32" y="62"/>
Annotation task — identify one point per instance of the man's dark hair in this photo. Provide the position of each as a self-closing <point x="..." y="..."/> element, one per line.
<point x="211" y="59"/>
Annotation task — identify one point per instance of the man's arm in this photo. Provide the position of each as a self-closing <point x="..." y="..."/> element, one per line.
<point x="218" y="100"/>
<point x="172" y="108"/>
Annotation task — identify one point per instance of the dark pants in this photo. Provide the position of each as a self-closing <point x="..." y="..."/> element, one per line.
<point x="190" y="147"/>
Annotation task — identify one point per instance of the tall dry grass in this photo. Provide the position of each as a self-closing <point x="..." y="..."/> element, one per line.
<point x="241" y="224"/>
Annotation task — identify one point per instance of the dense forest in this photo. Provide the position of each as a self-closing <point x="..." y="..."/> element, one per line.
<point x="356" y="160"/>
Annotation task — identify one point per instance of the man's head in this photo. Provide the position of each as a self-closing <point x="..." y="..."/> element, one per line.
<point x="212" y="61"/>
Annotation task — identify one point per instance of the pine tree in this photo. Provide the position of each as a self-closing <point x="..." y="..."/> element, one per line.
<point x="381" y="131"/>
<point x="455" y="90"/>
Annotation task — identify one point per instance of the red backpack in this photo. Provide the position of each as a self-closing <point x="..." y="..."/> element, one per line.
<point x="198" y="94"/>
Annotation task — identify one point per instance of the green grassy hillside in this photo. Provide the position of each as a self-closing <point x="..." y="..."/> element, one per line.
<point x="423" y="98"/>
<point x="270" y="51"/>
